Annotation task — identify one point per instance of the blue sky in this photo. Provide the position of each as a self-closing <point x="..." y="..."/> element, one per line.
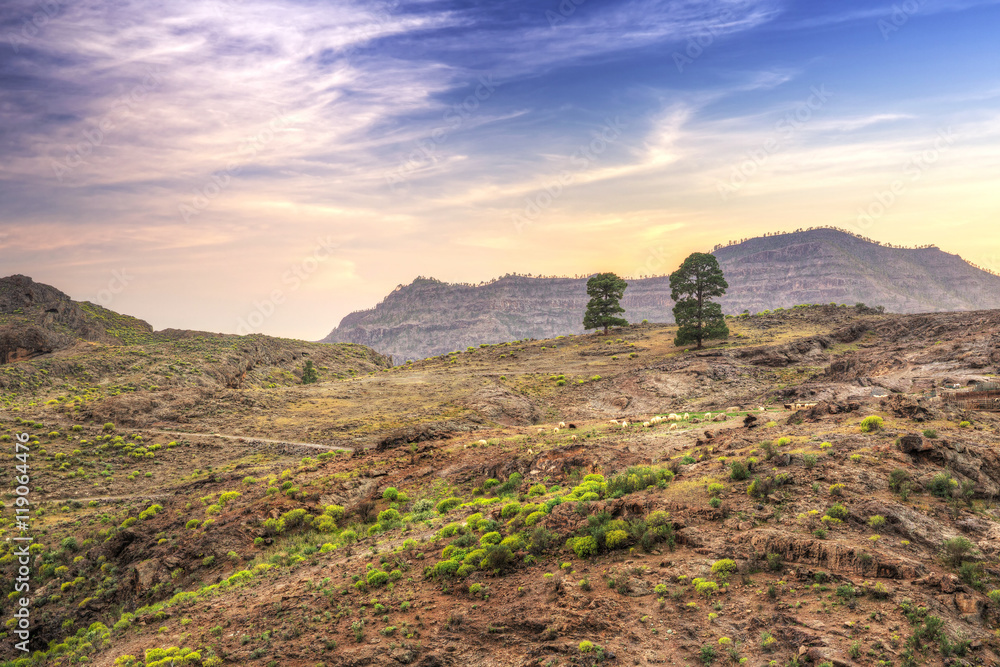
<point x="274" y="164"/>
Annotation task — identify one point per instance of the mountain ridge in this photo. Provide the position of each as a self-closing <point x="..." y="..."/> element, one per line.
<point x="823" y="265"/>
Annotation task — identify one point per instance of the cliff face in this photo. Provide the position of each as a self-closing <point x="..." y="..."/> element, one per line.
<point x="429" y="317"/>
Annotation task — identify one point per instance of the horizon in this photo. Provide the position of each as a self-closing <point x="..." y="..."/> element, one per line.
<point x="191" y="161"/>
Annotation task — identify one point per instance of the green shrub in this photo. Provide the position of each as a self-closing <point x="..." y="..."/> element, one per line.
<point x="490" y="538"/>
<point x="616" y="539"/>
<point x="964" y="424"/>
<point x="956" y="550"/>
<point x="510" y="510"/>
<point x="838" y="511"/>
<point x="724" y="567"/>
<point x="448" y="504"/>
<point x="738" y="471"/>
<point x="871" y="424"/>
<point x="378" y="578"/>
<point x="390" y="494"/>
<point x="585" y="547"/>
<point x="941" y="485"/>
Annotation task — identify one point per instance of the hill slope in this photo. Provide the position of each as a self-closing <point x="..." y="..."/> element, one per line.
<point x="430" y="317"/>
<point x="472" y="530"/>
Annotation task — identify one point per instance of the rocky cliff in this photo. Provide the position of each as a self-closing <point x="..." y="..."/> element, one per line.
<point x="430" y="317"/>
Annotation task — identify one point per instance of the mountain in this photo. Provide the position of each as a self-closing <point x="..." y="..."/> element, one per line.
<point x="429" y="317"/>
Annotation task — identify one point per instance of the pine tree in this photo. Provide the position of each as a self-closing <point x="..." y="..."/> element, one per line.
<point x="309" y="374"/>
<point x="691" y="286"/>
<point x="605" y="291"/>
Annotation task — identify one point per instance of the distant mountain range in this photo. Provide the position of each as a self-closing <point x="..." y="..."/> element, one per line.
<point x="429" y="317"/>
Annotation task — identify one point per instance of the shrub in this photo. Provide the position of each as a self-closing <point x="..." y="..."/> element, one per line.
<point x="941" y="485"/>
<point x="510" y="510"/>
<point x="964" y="424"/>
<point x="738" y="471"/>
<point x="534" y="518"/>
<point x="706" y="588"/>
<point x="585" y="547"/>
<point x="616" y="539"/>
<point x="498" y="558"/>
<point x="871" y="424"/>
<point x="390" y="494"/>
<point x="378" y="578"/>
<point x="109" y="426"/>
<point x="723" y="567"/>
<point x="335" y="512"/>
<point x="837" y="489"/>
<point x="586" y="646"/>
<point x="876" y="521"/>
<point x="897" y="477"/>
<point x="930" y="433"/>
<point x="448" y="504"/>
<point x="707" y="655"/>
<point x="490" y="538"/>
<point x="536" y="490"/>
<point x="809" y="460"/>
<point x="956" y="550"/>
<point x="837" y="511"/>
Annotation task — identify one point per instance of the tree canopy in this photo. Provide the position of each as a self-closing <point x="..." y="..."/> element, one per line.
<point x="692" y="286"/>
<point x="605" y="291"/>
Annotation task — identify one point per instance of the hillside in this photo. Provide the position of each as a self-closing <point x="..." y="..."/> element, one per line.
<point x="430" y="317"/>
<point x="438" y="513"/>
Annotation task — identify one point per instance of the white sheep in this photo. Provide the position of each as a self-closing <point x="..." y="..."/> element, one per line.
<point x="646" y="424"/>
<point x="708" y="415"/>
<point x="761" y="408"/>
<point x="673" y="417"/>
<point x="540" y="431"/>
<point x="555" y="430"/>
<point x="572" y="437"/>
<point x="562" y="424"/>
<point x="673" y="426"/>
<point x="686" y="416"/>
<point x="614" y="421"/>
<point x="624" y="424"/>
<point x="482" y="442"/>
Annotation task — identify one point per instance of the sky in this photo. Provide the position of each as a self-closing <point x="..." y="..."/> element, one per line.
<point x="271" y="165"/>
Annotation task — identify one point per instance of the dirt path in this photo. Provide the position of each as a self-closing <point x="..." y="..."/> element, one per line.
<point x="252" y="439"/>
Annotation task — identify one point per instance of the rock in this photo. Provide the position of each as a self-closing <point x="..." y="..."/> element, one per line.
<point x="402" y="655"/>
<point x="733" y="409"/>
<point x="719" y="418"/>
<point x="914" y="444"/>
<point x="949" y="583"/>
<point x="969" y="604"/>
<point x="750" y="421"/>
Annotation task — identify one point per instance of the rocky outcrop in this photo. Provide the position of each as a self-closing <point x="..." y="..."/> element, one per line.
<point x="429" y="317"/>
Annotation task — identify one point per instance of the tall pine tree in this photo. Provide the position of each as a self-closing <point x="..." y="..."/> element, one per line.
<point x="691" y="286"/>
<point x="605" y="291"/>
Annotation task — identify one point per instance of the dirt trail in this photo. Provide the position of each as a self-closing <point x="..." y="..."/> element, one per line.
<point x="252" y="439"/>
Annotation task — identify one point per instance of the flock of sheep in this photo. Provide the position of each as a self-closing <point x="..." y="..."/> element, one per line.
<point x="658" y="419"/>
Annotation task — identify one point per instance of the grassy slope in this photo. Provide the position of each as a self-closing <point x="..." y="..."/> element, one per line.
<point x="299" y="603"/>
